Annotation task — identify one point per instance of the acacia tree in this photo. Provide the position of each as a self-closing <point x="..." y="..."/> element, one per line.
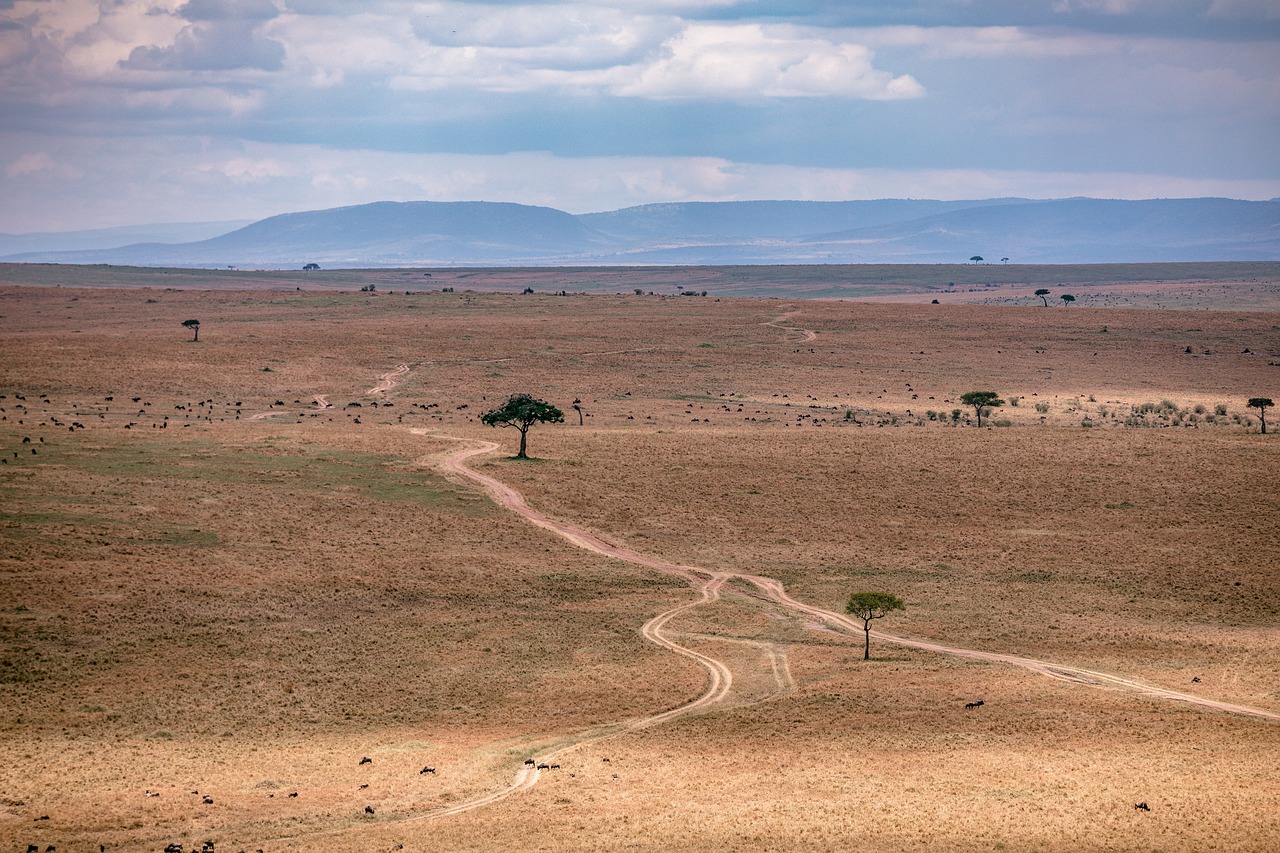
<point x="976" y="259"/>
<point x="194" y="326"/>
<point x="981" y="400"/>
<point x="1042" y="293"/>
<point x="1067" y="299"/>
<point x="522" y="411"/>
<point x="1261" y="404"/>
<point x="872" y="605"/>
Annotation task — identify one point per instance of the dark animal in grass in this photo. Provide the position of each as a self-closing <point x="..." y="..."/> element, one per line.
<point x="529" y="762"/>
<point x="368" y="809"/>
<point x="366" y="760"/>
<point x="427" y="769"/>
<point x="971" y="705"/>
<point x="1142" y="807"/>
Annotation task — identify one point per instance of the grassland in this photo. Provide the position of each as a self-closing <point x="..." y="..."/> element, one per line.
<point x="194" y="598"/>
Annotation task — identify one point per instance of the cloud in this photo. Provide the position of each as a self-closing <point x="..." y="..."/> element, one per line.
<point x="40" y="163"/>
<point x="223" y="36"/>
<point x="748" y="61"/>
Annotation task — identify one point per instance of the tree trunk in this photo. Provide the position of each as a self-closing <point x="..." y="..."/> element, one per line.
<point x="196" y="339"/>
<point x="1262" y="413"/>
<point x="866" y="650"/>
<point x="978" y="412"/>
<point x="524" y="433"/>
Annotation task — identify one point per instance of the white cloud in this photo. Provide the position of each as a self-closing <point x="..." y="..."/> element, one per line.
<point x="750" y="61"/>
<point x="39" y="163"/>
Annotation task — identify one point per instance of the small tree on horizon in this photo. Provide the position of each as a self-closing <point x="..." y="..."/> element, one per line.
<point x="872" y="605"/>
<point x="1043" y="293"/>
<point x="1261" y="404"/>
<point x="1067" y="299"/>
<point x="981" y="400"/>
<point x="976" y="259"/>
<point x="194" y="326"/>
<point x="522" y="411"/>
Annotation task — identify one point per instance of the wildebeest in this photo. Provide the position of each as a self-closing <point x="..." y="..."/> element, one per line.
<point x="366" y="760"/>
<point x="529" y="762"/>
<point x="427" y="769"/>
<point x="1142" y="807"/>
<point x="368" y="809"/>
<point x="972" y="705"/>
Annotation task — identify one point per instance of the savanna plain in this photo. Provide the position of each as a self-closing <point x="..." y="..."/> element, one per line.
<point x="233" y="569"/>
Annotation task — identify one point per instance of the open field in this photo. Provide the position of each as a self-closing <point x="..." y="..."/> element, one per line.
<point x="240" y="583"/>
<point x="1224" y="286"/>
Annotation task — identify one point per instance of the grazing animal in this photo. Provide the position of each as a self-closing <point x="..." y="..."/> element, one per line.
<point x="1142" y="807"/>
<point x="294" y="794"/>
<point x="207" y="800"/>
<point x="366" y="760"/>
<point x="971" y="705"/>
<point x="1195" y="680"/>
<point x="151" y="793"/>
<point x="368" y="809"/>
<point x="555" y="766"/>
<point x="529" y="762"/>
<point x="33" y="848"/>
<point x="544" y="766"/>
<point x="428" y="769"/>
<point x="362" y="787"/>
<point x="173" y="848"/>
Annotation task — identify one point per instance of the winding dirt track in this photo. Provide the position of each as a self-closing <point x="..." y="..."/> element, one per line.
<point x="709" y="583"/>
<point x="773" y="590"/>
<point x="387" y="381"/>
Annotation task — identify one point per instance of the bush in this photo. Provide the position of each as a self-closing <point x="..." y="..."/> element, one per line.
<point x="1042" y="408"/>
<point x="1003" y="422"/>
<point x="1013" y="401"/>
<point x="1220" y="410"/>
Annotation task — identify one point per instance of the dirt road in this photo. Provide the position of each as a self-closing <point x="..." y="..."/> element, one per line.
<point x="773" y="590"/>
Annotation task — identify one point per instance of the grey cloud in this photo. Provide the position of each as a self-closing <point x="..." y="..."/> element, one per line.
<point x="229" y="10"/>
<point x="217" y="46"/>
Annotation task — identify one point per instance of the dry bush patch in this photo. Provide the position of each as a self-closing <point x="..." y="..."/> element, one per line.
<point x="194" y="599"/>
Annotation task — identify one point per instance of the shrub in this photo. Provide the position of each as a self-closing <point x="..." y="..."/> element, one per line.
<point x="1013" y="401"/>
<point x="1199" y="409"/>
<point x="1042" y="408"/>
<point x="1003" y="422"/>
<point x="955" y="415"/>
<point x="1220" y="409"/>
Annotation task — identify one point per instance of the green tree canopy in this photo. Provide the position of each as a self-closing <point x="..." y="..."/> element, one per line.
<point x="1261" y="404"/>
<point x="522" y="411"/>
<point x="1067" y="299"/>
<point x="872" y="605"/>
<point x="981" y="401"/>
<point x="1042" y="293"/>
<point x="193" y="325"/>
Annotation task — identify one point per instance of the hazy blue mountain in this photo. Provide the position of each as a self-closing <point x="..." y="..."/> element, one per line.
<point x="689" y="222"/>
<point x="110" y="238"/>
<point x="1077" y="230"/>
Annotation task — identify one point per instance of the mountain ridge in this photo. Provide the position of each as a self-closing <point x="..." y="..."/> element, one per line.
<point x="477" y="233"/>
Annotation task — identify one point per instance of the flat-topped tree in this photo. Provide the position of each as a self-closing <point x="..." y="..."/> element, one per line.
<point x="981" y="401"/>
<point x="872" y="605"/>
<point x="1261" y="404"/>
<point x="1042" y="293"/>
<point x="522" y="411"/>
<point x="1067" y="299"/>
<point x="194" y="326"/>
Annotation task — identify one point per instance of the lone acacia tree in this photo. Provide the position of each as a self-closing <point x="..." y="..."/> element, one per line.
<point x="1261" y="404"/>
<point x="977" y="259"/>
<point x="1042" y="293"/>
<point x="522" y="411"/>
<point x="872" y="605"/>
<point x="1067" y="299"/>
<point x="981" y="400"/>
<point x="194" y="326"/>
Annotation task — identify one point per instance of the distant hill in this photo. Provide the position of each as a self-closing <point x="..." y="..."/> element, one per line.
<point x="1060" y="231"/>
<point x="110" y="238"/>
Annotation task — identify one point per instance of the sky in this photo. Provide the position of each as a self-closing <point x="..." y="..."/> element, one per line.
<point x="125" y="112"/>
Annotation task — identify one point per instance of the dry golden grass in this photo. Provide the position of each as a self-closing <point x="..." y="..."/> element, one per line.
<point x="196" y="600"/>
